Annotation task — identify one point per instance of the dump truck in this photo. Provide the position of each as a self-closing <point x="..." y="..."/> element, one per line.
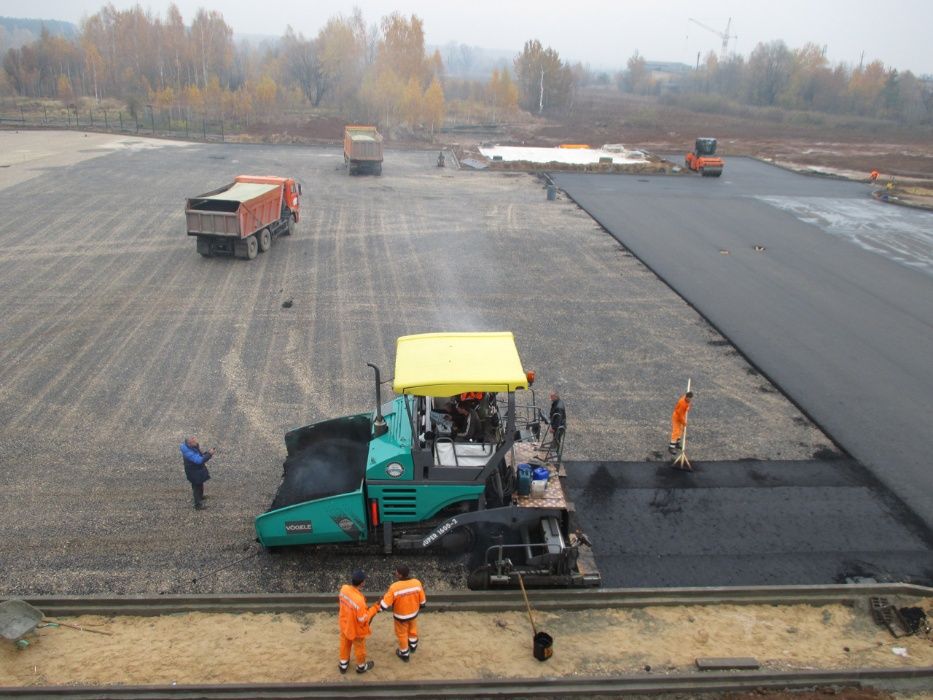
<point x="362" y="150"/>
<point x="244" y="217"/>
<point x="407" y="477"/>
<point x="703" y="158"/>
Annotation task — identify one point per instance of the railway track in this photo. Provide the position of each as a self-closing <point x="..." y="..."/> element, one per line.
<point x="902" y="678"/>
<point x="691" y="684"/>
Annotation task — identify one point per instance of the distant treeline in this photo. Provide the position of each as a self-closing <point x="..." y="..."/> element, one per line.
<point x="801" y="79"/>
<point x="377" y="73"/>
<point x="382" y="73"/>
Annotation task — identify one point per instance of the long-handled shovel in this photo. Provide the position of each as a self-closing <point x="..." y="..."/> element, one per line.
<point x="542" y="641"/>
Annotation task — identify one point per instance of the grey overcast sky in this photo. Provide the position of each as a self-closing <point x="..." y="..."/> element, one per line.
<point x="603" y="33"/>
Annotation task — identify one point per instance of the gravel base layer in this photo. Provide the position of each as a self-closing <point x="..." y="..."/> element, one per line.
<point x="118" y="340"/>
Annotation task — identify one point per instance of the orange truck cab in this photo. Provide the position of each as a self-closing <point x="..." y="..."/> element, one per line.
<point x="244" y="217"/>
<point x="703" y="158"/>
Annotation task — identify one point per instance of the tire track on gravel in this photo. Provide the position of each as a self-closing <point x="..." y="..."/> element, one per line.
<point x="205" y="341"/>
<point x="342" y="255"/>
<point x="64" y="374"/>
<point x="187" y="288"/>
<point x="373" y="269"/>
<point x="50" y="283"/>
<point x="249" y="399"/>
<point x="121" y="323"/>
<point x="411" y="266"/>
<point x="300" y="345"/>
<point x="136" y="405"/>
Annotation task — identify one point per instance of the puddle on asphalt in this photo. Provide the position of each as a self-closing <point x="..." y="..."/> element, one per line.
<point x="899" y="234"/>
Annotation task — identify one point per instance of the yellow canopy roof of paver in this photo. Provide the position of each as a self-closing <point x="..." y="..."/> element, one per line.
<point x="447" y="364"/>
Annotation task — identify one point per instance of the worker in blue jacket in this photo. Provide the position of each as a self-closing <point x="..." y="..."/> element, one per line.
<point x="196" y="468"/>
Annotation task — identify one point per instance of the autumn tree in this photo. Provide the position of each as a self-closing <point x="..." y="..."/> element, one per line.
<point x="213" y="96"/>
<point x="395" y="83"/>
<point x="265" y="94"/>
<point x="303" y="65"/>
<point x="64" y="89"/>
<point x="769" y="69"/>
<point x="381" y="92"/>
<point x="637" y="77"/>
<point x="401" y="49"/>
<point x="433" y="105"/>
<point x="192" y="98"/>
<point x="865" y="88"/>
<point x="808" y="64"/>
<point x="410" y="103"/>
<point x="342" y="50"/>
<point x="501" y="93"/>
<point x="544" y="81"/>
<point x="213" y="45"/>
<point x="164" y="99"/>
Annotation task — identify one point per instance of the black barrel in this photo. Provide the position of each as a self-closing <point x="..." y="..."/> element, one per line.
<point x="543" y="646"/>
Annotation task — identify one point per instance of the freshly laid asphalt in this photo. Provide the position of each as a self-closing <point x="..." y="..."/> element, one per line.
<point x="746" y="523"/>
<point x="841" y="325"/>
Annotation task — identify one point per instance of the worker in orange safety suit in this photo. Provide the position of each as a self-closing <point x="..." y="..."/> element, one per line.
<point x="406" y="598"/>
<point x="873" y="176"/>
<point x="354" y="623"/>
<point x="679" y="422"/>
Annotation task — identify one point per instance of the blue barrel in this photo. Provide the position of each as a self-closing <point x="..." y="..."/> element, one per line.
<point x="524" y="479"/>
<point x="540" y="474"/>
<point x="551" y="193"/>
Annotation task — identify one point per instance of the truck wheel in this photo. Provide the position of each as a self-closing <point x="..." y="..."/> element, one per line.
<point x="379" y="169"/>
<point x="252" y="247"/>
<point x="290" y="228"/>
<point x="265" y="240"/>
<point x="204" y="246"/>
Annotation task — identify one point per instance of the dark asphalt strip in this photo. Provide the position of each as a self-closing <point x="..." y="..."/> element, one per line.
<point x="746" y="523"/>
<point x="846" y="334"/>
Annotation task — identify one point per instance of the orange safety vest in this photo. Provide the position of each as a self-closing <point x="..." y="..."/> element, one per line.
<point x="680" y="411"/>
<point x="354" y="615"/>
<point x="471" y="395"/>
<point x="405" y="597"/>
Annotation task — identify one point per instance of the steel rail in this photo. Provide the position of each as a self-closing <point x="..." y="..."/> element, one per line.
<point x="549" y="687"/>
<point x="479" y="601"/>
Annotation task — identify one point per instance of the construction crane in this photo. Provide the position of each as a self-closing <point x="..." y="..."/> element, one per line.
<point x="725" y="36"/>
